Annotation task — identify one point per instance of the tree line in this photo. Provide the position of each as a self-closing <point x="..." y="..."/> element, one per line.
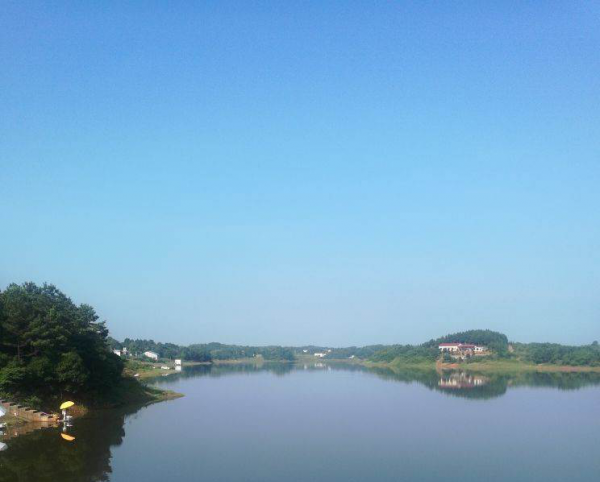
<point x="553" y="353"/>
<point x="204" y="352"/>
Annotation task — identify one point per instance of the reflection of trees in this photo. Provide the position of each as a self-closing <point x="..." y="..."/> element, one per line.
<point x="44" y="456"/>
<point x="463" y="384"/>
<point x="224" y="369"/>
<point x="478" y="386"/>
<point x="457" y="384"/>
<point x="558" y="380"/>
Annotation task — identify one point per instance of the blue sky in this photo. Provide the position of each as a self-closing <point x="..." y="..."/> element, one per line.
<point x="306" y="172"/>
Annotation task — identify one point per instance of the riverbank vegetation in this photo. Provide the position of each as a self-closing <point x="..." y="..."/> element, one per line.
<point x="52" y="349"/>
<point x="501" y="355"/>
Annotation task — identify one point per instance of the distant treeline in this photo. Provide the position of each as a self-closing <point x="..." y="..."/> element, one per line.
<point x="204" y="352"/>
<point x="555" y="354"/>
<point x="497" y="343"/>
<point x="428" y="352"/>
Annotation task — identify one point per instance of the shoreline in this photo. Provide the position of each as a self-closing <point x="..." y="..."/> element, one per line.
<point x="493" y="366"/>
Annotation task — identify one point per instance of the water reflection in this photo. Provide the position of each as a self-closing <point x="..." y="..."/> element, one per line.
<point x="36" y="452"/>
<point x="453" y="383"/>
<point x="461" y="380"/>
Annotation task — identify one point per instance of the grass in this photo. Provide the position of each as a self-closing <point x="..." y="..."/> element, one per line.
<point x="496" y="366"/>
<point x="145" y="370"/>
<point x="481" y="365"/>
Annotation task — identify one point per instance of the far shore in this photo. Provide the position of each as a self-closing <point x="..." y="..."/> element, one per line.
<point x="490" y="366"/>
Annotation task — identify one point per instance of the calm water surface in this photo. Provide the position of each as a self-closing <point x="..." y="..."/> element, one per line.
<point x="245" y="423"/>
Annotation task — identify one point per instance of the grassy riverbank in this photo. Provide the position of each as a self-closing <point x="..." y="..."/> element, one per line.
<point x="508" y="366"/>
<point x="489" y="366"/>
<point x="143" y="370"/>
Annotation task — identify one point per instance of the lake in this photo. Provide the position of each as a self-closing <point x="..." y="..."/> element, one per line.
<point x="318" y="422"/>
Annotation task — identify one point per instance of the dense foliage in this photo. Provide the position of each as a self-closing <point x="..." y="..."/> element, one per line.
<point x="552" y="353"/>
<point x="51" y="348"/>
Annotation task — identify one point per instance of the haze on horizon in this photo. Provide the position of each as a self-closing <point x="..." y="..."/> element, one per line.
<point x="289" y="173"/>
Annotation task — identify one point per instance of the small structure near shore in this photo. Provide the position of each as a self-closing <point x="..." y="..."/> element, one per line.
<point x="152" y="355"/>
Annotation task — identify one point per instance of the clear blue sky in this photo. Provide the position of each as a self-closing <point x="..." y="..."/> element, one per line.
<point x="306" y="172"/>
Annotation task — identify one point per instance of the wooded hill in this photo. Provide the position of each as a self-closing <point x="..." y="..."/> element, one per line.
<point x="52" y="349"/>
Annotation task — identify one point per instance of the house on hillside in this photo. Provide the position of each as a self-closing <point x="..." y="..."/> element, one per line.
<point x="451" y="347"/>
<point x="462" y="349"/>
<point x="152" y="355"/>
<point x="117" y="352"/>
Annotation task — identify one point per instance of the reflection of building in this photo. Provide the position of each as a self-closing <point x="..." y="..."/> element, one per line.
<point x="462" y="380"/>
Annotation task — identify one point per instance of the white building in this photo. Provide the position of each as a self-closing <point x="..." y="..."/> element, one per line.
<point x="151" y="354"/>
<point x="462" y="347"/>
<point x="177" y="362"/>
<point x="117" y="352"/>
<point x="449" y="346"/>
<point x="320" y="355"/>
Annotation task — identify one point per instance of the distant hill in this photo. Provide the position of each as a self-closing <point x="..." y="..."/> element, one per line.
<point x="492" y="339"/>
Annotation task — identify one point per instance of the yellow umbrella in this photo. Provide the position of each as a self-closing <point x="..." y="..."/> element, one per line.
<point x="66" y="405"/>
<point x="68" y="438"/>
